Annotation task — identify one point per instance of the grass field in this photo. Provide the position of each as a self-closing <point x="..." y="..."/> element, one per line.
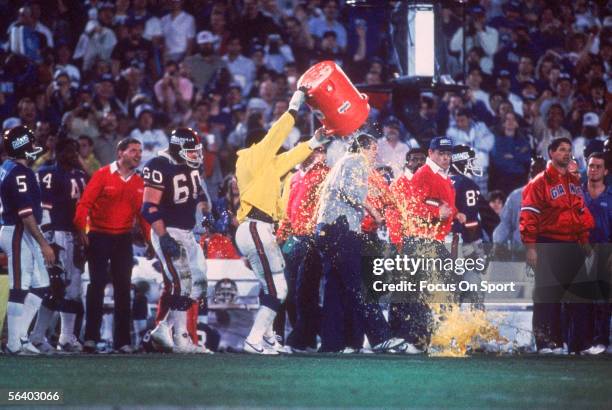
<point x="317" y="381"/>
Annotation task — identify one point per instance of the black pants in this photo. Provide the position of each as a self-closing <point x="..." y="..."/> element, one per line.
<point x="563" y="296"/>
<point x="116" y="250"/>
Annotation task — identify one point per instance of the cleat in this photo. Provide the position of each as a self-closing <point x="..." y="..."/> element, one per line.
<point x="184" y="345"/>
<point x="406" y="348"/>
<point x="69" y="344"/>
<point x="258" y="348"/>
<point x="90" y="347"/>
<point x="27" y="348"/>
<point x="388" y="345"/>
<point x="594" y="350"/>
<point x="349" y="350"/>
<point x="274" y="344"/>
<point x="161" y="336"/>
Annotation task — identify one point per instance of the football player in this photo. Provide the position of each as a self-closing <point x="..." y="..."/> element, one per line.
<point x="469" y="203"/>
<point x="173" y="195"/>
<point x="21" y="238"/>
<point x="61" y="186"/>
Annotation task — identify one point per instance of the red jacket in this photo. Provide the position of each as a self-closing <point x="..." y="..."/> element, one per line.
<point x="380" y="198"/>
<point x="110" y="202"/>
<point x="430" y="191"/>
<point x="397" y="217"/>
<point x="553" y="207"/>
<point x="303" y="198"/>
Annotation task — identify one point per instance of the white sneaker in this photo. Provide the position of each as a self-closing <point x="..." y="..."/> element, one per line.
<point x="406" y="348"/>
<point x="349" y="350"/>
<point x="184" y="345"/>
<point x="161" y="336"/>
<point x="69" y="344"/>
<point x="388" y="344"/>
<point x="274" y="344"/>
<point x="594" y="350"/>
<point x="125" y="349"/>
<point x="27" y="348"/>
<point x="258" y="348"/>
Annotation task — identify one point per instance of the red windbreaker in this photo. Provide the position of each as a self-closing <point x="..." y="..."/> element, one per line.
<point x="303" y="198"/>
<point x="553" y="207"/>
<point x="397" y="218"/>
<point x="380" y="198"/>
<point x="430" y="191"/>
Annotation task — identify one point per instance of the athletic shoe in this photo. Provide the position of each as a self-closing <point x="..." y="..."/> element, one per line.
<point x="274" y="344"/>
<point x="184" y="345"/>
<point x="556" y="351"/>
<point x="90" y="346"/>
<point x="69" y="344"/>
<point x="44" y="347"/>
<point x="349" y="350"/>
<point x="258" y="348"/>
<point x="162" y="337"/>
<point x="406" y="348"/>
<point x="388" y="344"/>
<point x="27" y="348"/>
<point x="594" y="350"/>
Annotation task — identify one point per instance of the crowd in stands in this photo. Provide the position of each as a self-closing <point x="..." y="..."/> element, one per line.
<point x="98" y="71"/>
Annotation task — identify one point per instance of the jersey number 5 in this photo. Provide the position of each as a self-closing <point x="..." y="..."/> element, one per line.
<point x="181" y="187"/>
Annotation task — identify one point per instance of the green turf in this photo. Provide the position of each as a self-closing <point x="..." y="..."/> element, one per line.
<point x="318" y="381"/>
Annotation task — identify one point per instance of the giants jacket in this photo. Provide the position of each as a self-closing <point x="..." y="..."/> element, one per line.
<point x="432" y="188"/>
<point x="553" y="207"/>
<point x="259" y="169"/>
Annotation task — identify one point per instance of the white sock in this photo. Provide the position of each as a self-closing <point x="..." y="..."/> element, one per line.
<point x="139" y="328"/>
<point x="263" y="320"/>
<point x="42" y="324"/>
<point x="107" y="327"/>
<point x="180" y="321"/>
<point x="31" y="305"/>
<point x="14" y="312"/>
<point x="67" y="326"/>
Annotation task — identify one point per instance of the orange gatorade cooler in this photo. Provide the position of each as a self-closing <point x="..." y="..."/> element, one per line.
<point x="334" y="99"/>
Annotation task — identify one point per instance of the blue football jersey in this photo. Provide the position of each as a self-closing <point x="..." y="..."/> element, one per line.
<point x="19" y="193"/>
<point x="467" y="201"/>
<point x="60" y="191"/>
<point x="182" y="190"/>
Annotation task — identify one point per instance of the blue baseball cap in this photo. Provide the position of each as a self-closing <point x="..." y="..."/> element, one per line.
<point x="441" y="144"/>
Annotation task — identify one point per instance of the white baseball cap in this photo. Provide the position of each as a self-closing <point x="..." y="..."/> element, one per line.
<point x="590" y="119"/>
<point x="204" y="37"/>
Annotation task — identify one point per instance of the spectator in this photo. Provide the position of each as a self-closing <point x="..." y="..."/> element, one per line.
<point x="510" y="156"/>
<point x="178" y="28"/>
<point x="504" y="84"/>
<point x="496" y="201"/>
<point x="82" y="120"/>
<point x="26" y="111"/>
<point x="254" y="25"/>
<point x="478" y="34"/>
<point x="48" y="157"/>
<point x="38" y="25"/>
<point x="218" y="28"/>
<point x="423" y="123"/>
<point x="507" y="233"/>
<point x="88" y="160"/>
<point x="152" y="140"/>
<point x="598" y="95"/>
<point x="106" y="143"/>
<point x="174" y="92"/>
<point x="225" y="207"/>
<point x="277" y="53"/>
<point x="241" y="67"/>
<point x="206" y="63"/>
<point x="476" y="135"/>
<point x="328" y="22"/>
<point x="62" y="97"/>
<point x="63" y="63"/>
<point x="391" y="150"/>
<point x="104" y="99"/>
<point x="97" y="41"/>
<point x="134" y="50"/>
<point x="329" y="49"/>
<point x="153" y="28"/>
<point x="24" y="39"/>
<point x="590" y="140"/>
<point x="111" y="201"/>
<point x="301" y="43"/>
<point x="544" y="133"/>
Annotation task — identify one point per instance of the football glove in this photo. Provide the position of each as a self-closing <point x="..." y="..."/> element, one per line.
<point x="169" y="246"/>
